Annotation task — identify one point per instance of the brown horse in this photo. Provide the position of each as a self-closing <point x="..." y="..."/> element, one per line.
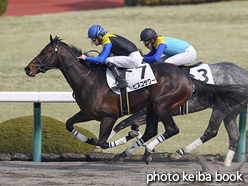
<point x="98" y="102"/>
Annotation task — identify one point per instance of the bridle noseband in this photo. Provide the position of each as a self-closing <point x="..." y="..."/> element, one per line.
<point x="44" y="66"/>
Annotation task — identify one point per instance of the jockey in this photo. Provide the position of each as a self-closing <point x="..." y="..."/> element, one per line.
<point x="126" y="54"/>
<point x="176" y="51"/>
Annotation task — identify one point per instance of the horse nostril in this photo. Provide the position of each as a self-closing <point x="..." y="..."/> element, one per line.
<point x="27" y="69"/>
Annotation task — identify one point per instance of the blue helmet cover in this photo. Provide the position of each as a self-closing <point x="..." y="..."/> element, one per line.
<point x="95" y="30"/>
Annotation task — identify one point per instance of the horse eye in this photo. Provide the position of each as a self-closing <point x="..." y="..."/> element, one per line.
<point x="44" y="52"/>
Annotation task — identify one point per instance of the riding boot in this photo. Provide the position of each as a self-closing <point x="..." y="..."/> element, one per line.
<point x="118" y="76"/>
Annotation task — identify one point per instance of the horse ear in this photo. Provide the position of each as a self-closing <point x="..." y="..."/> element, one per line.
<point x="51" y="38"/>
<point x="56" y="39"/>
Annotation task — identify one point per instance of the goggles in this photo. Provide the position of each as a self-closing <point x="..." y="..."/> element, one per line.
<point x="147" y="42"/>
<point x="93" y="39"/>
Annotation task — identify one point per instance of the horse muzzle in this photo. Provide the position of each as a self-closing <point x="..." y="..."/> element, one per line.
<point x="29" y="72"/>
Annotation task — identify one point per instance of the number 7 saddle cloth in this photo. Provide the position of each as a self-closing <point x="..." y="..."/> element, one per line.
<point x="136" y="78"/>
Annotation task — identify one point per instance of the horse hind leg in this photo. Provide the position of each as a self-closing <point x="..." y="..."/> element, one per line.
<point x="125" y="139"/>
<point x="211" y="131"/>
<point x="234" y="136"/>
<point x="171" y="129"/>
<point x="150" y="131"/>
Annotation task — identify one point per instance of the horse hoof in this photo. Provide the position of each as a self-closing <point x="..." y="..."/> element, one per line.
<point x="119" y="159"/>
<point x="148" y="157"/>
<point x="94" y="141"/>
<point x="98" y="149"/>
<point x="133" y="133"/>
<point x="175" y="156"/>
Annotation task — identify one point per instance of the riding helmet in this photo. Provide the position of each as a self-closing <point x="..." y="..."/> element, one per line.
<point x="95" y="31"/>
<point x="147" y="34"/>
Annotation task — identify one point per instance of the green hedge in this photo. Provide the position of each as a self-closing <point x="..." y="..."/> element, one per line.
<point x="167" y="2"/>
<point x="16" y="136"/>
<point x="3" y="6"/>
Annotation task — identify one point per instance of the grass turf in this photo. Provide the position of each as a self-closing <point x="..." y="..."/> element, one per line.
<point x="17" y="136"/>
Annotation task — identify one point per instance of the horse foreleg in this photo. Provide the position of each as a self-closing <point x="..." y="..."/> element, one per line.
<point x="135" y="120"/>
<point x="105" y="130"/>
<point x="234" y="136"/>
<point x="79" y="117"/>
<point x="150" y="131"/>
<point x="112" y="134"/>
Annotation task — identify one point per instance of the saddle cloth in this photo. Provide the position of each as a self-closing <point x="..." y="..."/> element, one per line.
<point x="202" y="73"/>
<point x="136" y="78"/>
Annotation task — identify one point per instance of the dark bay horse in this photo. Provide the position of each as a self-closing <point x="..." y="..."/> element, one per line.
<point x="224" y="73"/>
<point x="97" y="101"/>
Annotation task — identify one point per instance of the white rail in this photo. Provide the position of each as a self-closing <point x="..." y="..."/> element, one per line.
<point x="37" y="98"/>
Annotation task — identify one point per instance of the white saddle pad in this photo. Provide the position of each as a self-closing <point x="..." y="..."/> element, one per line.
<point x="202" y="73"/>
<point x="136" y="78"/>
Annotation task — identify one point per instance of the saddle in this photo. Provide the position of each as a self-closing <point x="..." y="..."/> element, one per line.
<point x="137" y="78"/>
<point x="188" y="67"/>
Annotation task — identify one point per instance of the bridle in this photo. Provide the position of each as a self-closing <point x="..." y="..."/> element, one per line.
<point x="44" y="66"/>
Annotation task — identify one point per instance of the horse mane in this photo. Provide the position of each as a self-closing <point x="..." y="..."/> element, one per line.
<point x="74" y="50"/>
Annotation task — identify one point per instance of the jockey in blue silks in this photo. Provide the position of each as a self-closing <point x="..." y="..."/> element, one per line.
<point x="126" y="54"/>
<point x="176" y="51"/>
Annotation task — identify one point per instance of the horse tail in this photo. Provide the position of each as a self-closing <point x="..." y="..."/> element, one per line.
<point x="226" y="98"/>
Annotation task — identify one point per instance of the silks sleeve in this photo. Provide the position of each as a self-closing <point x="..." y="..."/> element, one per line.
<point x="157" y="55"/>
<point x="104" y="54"/>
<point x="151" y="53"/>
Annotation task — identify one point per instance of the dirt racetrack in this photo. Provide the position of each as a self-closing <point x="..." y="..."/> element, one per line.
<point x="21" y="173"/>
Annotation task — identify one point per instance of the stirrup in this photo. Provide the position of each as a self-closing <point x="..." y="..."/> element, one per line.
<point x="120" y="85"/>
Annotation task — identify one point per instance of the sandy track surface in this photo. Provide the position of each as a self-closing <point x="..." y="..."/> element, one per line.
<point x="22" y="173"/>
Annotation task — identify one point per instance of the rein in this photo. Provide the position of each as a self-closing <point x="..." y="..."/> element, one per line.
<point x="44" y="66"/>
<point x="91" y="51"/>
<point x="81" y="88"/>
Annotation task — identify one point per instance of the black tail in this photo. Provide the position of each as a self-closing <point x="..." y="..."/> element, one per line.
<point x="226" y="98"/>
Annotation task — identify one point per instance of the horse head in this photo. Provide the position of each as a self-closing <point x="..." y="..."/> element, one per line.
<point x="47" y="59"/>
